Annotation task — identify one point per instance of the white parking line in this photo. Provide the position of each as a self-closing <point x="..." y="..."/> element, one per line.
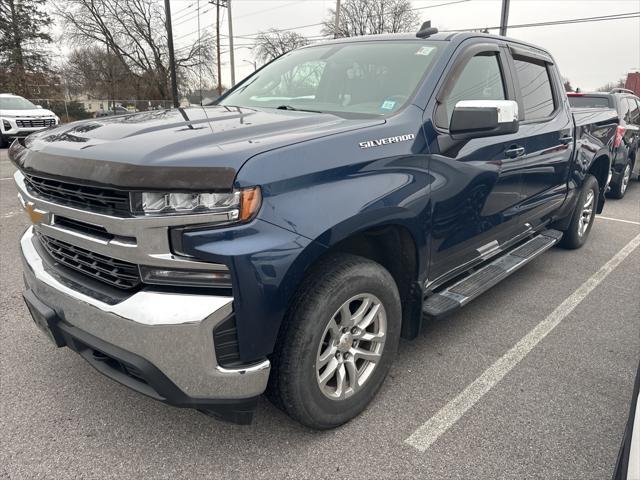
<point x="448" y="415"/>
<point x="618" y="220"/>
<point x="11" y="214"/>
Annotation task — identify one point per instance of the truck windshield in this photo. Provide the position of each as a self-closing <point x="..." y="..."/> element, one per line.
<point x="371" y="78"/>
<point x="15" y="103"/>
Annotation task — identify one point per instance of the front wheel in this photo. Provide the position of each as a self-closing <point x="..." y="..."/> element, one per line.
<point x="583" y="216"/>
<point x="339" y="340"/>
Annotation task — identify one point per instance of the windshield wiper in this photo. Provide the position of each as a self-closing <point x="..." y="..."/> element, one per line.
<point x="289" y="107"/>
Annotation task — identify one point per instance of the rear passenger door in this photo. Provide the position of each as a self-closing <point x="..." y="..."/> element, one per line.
<point x="546" y="130"/>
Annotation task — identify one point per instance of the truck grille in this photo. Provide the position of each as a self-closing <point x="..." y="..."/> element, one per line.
<point x="117" y="273"/>
<point x="36" y="122"/>
<point x="81" y="196"/>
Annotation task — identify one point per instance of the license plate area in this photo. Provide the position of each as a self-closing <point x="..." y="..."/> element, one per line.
<point x="44" y="317"/>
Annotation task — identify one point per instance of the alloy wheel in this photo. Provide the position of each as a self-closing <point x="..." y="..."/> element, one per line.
<point x="351" y="346"/>
<point x="586" y="214"/>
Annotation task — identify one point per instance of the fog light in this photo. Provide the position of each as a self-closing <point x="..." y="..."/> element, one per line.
<point x="187" y="278"/>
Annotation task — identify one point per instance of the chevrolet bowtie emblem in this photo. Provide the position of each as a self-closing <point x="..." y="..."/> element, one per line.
<point x="35" y="215"/>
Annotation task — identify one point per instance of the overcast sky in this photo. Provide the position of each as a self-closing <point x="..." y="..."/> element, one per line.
<point x="588" y="54"/>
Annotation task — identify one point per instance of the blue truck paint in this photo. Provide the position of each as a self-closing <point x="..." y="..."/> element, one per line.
<point x="447" y="201"/>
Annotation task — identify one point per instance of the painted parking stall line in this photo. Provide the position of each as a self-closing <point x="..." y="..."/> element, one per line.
<point x="447" y="416"/>
<point x="618" y="220"/>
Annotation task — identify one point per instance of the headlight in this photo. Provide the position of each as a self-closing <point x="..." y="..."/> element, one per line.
<point x="239" y="205"/>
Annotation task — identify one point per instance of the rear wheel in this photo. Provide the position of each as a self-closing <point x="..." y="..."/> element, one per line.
<point x="620" y="188"/>
<point x="583" y="216"/>
<point x="340" y="337"/>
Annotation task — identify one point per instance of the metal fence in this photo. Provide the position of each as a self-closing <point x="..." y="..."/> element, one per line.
<point x="70" y="110"/>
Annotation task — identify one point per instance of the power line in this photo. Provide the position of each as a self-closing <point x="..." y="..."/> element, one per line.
<point x="619" y="16"/>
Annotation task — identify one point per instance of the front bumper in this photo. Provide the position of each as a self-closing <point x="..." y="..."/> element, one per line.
<point x="165" y="339"/>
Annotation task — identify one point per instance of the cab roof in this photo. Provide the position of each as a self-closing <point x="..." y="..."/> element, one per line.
<point x="452" y="36"/>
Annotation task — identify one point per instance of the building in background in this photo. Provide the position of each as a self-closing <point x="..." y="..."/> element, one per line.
<point x="633" y="82"/>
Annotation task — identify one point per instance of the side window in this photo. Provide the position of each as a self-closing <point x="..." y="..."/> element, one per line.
<point x="535" y="88"/>
<point x="480" y="79"/>
<point x="624" y="109"/>
<point x="634" y="113"/>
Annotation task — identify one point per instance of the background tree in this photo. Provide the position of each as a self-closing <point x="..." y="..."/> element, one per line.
<point x="607" y="87"/>
<point x="273" y="43"/>
<point x="95" y="71"/>
<point x="369" y="17"/>
<point x="132" y="34"/>
<point x="567" y="85"/>
<point x="25" y="68"/>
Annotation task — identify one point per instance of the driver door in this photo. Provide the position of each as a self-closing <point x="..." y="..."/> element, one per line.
<point x="477" y="187"/>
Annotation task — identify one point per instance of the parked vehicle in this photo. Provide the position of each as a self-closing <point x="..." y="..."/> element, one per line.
<point x="628" y="463"/>
<point x="286" y="237"/>
<point x="626" y="144"/>
<point x="19" y="117"/>
<point x="115" y="110"/>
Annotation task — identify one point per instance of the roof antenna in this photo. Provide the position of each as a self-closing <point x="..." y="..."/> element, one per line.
<point x="426" y="30"/>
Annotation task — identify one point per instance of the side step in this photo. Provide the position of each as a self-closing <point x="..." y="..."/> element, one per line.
<point x="459" y="294"/>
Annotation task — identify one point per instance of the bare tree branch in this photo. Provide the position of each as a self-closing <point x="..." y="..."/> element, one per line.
<point x="370" y="17"/>
<point x="134" y="33"/>
<point x="273" y="43"/>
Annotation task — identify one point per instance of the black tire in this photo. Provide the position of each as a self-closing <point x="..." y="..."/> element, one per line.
<point x="573" y="237"/>
<point x="293" y="383"/>
<point x="619" y="188"/>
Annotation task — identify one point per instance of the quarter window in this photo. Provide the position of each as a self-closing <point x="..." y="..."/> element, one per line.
<point x="633" y="117"/>
<point x="481" y="79"/>
<point x="535" y="89"/>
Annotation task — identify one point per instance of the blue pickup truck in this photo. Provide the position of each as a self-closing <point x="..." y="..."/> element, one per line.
<point x="284" y="239"/>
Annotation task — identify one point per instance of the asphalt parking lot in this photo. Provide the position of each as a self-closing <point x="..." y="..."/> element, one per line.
<point x="532" y="380"/>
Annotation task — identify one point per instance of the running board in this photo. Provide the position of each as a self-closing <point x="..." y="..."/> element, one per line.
<point x="459" y="294"/>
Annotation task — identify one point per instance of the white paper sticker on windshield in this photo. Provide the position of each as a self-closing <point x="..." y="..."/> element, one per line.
<point x="425" y="50"/>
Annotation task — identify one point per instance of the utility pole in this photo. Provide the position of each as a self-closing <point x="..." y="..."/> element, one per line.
<point x="172" y="60"/>
<point x="231" y="54"/>
<point x="218" y="47"/>
<point x="504" y="17"/>
<point x="337" y="24"/>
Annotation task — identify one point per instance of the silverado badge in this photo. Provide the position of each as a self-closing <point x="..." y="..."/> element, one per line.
<point x="387" y="141"/>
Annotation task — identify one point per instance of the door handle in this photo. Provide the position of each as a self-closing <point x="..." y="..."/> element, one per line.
<point x="566" y="140"/>
<point x="514" y="151"/>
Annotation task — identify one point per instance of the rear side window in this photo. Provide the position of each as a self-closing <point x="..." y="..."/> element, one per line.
<point x="624" y="109"/>
<point x="586" y="101"/>
<point x="481" y="79"/>
<point x="535" y="88"/>
<point x="633" y="116"/>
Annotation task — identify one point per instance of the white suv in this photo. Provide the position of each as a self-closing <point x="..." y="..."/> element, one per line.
<point x="19" y="117"/>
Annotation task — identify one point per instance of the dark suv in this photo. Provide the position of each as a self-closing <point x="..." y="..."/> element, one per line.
<point x="626" y="141"/>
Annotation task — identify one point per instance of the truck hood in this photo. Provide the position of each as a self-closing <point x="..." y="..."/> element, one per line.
<point x="32" y="113"/>
<point x="181" y="149"/>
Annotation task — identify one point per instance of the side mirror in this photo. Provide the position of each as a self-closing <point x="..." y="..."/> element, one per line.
<point x="483" y="118"/>
<point x="38" y="106"/>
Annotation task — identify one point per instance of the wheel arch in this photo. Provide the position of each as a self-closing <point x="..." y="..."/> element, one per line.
<point x="600" y="167"/>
